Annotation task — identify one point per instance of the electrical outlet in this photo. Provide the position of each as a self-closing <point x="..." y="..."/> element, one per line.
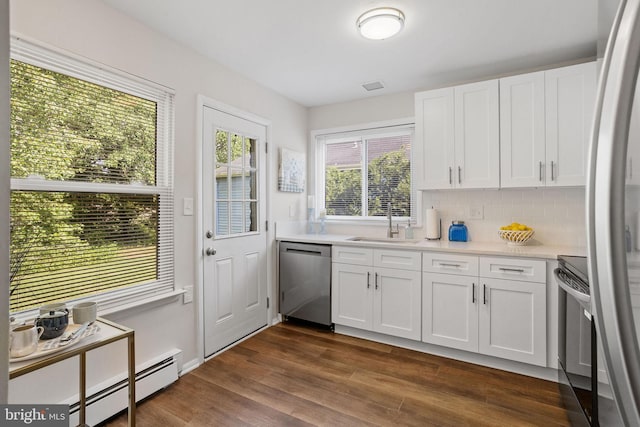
<point x="476" y="212"/>
<point x="187" y="297"/>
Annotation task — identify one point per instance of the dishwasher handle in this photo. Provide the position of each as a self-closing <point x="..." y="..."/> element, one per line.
<point x="308" y="249"/>
<point x="303" y="251"/>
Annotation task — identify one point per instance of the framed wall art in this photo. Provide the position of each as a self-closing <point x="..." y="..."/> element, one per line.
<point x="292" y="171"/>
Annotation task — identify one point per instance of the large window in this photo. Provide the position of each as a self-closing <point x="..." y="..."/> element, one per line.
<point x="366" y="172"/>
<point x="91" y="181"/>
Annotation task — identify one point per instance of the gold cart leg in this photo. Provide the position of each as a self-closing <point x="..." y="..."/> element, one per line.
<point x="132" y="381"/>
<point x="83" y="389"/>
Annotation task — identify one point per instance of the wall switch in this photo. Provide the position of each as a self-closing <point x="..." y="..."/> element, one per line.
<point x="187" y="206"/>
<point x="187" y="297"/>
<point x="476" y="212"/>
<point x="292" y="211"/>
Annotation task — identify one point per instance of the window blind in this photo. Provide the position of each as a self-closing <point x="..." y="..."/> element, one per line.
<point x="92" y="184"/>
<point x="366" y="170"/>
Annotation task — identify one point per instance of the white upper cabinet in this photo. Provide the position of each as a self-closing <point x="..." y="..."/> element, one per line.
<point x="522" y="131"/>
<point x="434" y="149"/>
<point x="545" y="125"/>
<point x="477" y="138"/>
<point x="570" y="94"/>
<point x="457" y="137"/>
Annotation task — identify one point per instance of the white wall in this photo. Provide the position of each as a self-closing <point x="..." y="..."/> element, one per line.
<point x="556" y="214"/>
<point x="92" y="29"/>
<point x="4" y="195"/>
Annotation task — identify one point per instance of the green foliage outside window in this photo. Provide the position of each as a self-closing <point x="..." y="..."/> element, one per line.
<point x="66" y="129"/>
<point x="389" y="180"/>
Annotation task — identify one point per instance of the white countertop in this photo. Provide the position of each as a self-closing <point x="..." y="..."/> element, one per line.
<point x="471" y="248"/>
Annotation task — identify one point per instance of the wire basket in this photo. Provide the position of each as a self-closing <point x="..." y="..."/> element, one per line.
<point x="516" y="238"/>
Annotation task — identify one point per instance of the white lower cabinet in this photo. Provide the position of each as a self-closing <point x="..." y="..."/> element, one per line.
<point x="513" y="320"/>
<point x="380" y="299"/>
<point x="450" y="312"/>
<point x="502" y="317"/>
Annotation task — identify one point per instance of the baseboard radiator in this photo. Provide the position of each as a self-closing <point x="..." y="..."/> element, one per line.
<point x="111" y="397"/>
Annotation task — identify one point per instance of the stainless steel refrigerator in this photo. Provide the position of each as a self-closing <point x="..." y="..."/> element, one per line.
<point x="613" y="214"/>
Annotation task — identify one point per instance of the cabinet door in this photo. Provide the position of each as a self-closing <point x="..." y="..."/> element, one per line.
<point x="433" y="151"/>
<point x="570" y="94"/>
<point x="522" y="131"/>
<point x="396" y="302"/>
<point x="450" y="311"/>
<point x="513" y="320"/>
<point x="351" y="296"/>
<point x="477" y="143"/>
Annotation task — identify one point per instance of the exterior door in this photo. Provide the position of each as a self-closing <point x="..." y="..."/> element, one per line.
<point x="234" y="240"/>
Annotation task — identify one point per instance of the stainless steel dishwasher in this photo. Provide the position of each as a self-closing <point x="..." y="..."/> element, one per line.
<point x="305" y="282"/>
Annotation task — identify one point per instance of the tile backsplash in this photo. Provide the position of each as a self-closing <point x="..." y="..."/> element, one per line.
<point x="556" y="214"/>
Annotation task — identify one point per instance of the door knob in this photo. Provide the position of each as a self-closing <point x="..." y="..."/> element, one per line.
<point x="210" y="251"/>
<point x="209" y="234"/>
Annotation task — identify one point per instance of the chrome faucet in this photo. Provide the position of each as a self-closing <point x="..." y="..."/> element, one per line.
<point x="390" y="231"/>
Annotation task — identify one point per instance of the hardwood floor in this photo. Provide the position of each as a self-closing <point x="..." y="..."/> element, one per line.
<point x="290" y="375"/>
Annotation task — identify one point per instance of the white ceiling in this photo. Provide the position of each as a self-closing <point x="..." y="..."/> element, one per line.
<point x="309" y="50"/>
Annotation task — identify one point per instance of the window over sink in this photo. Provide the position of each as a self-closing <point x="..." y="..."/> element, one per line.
<point x="362" y="172"/>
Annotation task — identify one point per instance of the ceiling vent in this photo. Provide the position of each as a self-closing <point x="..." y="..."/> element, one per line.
<point x="373" y="86"/>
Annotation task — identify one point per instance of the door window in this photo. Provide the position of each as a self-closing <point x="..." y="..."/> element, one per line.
<point x="236" y="175"/>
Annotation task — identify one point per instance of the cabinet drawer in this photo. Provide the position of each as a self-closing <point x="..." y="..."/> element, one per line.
<point x="448" y="263"/>
<point x="528" y="270"/>
<point x="352" y="255"/>
<point x="406" y="260"/>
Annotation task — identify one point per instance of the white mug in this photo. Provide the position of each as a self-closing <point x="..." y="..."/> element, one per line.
<point x="85" y="312"/>
<point x="24" y="340"/>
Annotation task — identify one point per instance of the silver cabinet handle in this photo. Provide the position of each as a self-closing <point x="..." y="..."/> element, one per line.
<point x="210" y="251"/>
<point x="473" y="293"/>
<point x="484" y="294"/>
<point x="444" y="264"/>
<point x="376" y="281"/>
<point x="540" y="171"/>
<point x="450" y="176"/>
<point x="552" y="175"/>
<point x="459" y="175"/>
<point x="368" y="279"/>
<point x="513" y="270"/>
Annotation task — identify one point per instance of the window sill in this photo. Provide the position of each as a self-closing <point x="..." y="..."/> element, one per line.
<point x="111" y="304"/>
<point x="136" y="304"/>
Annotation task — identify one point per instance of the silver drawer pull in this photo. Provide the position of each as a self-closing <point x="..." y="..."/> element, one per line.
<point x="512" y="270"/>
<point x="449" y="265"/>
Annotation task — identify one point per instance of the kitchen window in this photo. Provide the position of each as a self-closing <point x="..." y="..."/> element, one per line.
<point x="91" y="182"/>
<point x="362" y="172"/>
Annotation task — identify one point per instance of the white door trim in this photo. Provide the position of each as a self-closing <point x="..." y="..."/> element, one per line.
<point x="203" y="101"/>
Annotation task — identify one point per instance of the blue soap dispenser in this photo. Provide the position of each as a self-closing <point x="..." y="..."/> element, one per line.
<point x="458" y="232"/>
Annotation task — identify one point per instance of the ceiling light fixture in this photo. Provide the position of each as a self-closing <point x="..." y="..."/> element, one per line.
<point x="380" y="23"/>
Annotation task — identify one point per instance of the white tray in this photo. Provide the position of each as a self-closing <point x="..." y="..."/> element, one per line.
<point x="47" y="347"/>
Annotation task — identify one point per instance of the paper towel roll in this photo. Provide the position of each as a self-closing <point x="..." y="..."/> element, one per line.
<point x="432" y="224"/>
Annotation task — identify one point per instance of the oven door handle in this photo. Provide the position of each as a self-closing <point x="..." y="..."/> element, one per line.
<point x="568" y="289"/>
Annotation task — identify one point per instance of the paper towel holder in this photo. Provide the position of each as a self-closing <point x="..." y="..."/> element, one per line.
<point x="439" y="231"/>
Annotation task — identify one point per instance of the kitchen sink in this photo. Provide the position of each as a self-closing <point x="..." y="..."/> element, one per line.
<point x="383" y="240"/>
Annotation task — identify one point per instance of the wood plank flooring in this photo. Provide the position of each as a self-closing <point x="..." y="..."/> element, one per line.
<point x="293" y="375"/>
